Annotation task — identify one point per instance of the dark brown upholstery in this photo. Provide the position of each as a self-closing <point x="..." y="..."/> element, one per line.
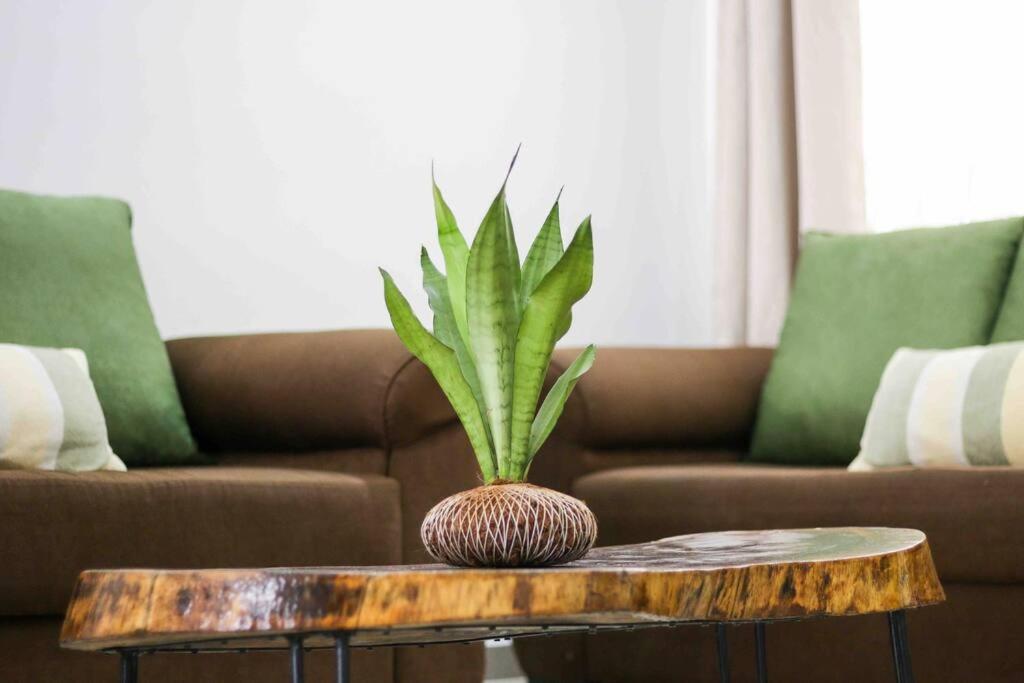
<point x="305" y="391"/>
<point x="356" y="461"/>
<point x="670" y="397"/>
<point x="184" y="517"/>
<point x="973" y="516"/>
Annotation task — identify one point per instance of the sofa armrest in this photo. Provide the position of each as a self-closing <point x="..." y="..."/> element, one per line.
<point x="670" y="397"/>
<point x="305" y="391"/>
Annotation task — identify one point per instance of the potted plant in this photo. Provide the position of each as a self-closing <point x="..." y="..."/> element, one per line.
<point x="496" y="322"/>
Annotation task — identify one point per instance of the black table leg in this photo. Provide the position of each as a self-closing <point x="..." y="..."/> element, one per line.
<point x="341" y="656"/>
<point x="129" y="666"/>
<point x="900" y="647"/>
<point x="762" y="659"/>
<point x="723" y="653"/>
<point x="295" y="649"/>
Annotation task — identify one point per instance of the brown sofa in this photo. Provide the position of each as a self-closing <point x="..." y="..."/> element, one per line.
<point x="328" y="448"/>
<point x="654" y="443"/>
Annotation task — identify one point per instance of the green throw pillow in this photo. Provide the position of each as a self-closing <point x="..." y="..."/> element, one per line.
<point x="1010" y="324"/>
<point x="69" y="278"/>
<point x="855" y="300"/>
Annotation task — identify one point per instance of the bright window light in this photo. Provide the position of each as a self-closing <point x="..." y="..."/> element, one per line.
<point x="943" y="111"/>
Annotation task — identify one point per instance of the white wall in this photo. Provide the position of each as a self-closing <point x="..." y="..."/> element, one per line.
<point x="276" y="152"/>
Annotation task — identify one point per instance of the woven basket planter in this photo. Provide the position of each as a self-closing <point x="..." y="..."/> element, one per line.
<point x="509" y="525"/>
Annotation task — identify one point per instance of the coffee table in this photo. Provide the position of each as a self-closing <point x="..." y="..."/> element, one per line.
<point x="712" y="578"/>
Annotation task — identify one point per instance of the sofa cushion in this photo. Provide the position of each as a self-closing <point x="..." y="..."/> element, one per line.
<point x="858" y="298"/>
<point x="55" y="524"/>
<point x="972" y="516"/>
<point x="69" y="278"/>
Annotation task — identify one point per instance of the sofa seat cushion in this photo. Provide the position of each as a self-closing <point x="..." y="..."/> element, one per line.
<point x="54" y="525"/>
<point x="973" y="516"/>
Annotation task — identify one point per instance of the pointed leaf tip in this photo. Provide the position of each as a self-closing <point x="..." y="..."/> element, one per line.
<point x="456" y="256"/>
<point x="544" y="253"/>
<point x="511" y="166"/>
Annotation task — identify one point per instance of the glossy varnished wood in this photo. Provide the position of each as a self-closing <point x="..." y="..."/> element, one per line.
<point x="715" y="577"/>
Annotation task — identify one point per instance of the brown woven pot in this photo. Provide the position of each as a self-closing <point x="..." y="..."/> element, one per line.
<point x="508" y="524"/>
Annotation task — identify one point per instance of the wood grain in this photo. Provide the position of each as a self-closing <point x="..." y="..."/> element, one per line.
<point x="714" y="577"/>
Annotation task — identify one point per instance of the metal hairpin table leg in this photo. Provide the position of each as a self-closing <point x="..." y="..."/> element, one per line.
<point x="900" y="647"/>
<point x="295" y="650"/>
<point x="341" y="656"/>
<point x="723" y="653"/>
<point x="129" y="666"/>
<point x="762" y="659"/>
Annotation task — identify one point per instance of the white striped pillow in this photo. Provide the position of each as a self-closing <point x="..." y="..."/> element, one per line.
<point x="50" y="416"/>
<point x="941" y="408"/>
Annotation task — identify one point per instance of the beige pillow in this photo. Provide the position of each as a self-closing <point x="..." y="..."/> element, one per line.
<point x="942" y="408"/>
<point x="50" y="416"/>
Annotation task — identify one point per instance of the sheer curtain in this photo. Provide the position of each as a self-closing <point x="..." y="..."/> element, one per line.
<point x="788" y="149"/>
<point x="943" y="88"/>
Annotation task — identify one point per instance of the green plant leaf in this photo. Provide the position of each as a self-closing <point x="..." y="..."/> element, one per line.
<point x="543" y="319"/>
<point x="441" y="362"/>
<point x="554" y="402"/>
<point x="513" y="256"/>
<point x="436" y="286"/>
<point x="493" y="318"/>
<point x="445" y="329"/>
<point x="563" y="326"/>
<point x="544" y="253"/>
<point x="456" y="257"/>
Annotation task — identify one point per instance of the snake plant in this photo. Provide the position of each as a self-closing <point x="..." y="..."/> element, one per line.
<point x="495" y="324"/>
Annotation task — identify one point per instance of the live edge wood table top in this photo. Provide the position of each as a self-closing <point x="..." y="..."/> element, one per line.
<point x="739" y="576"/>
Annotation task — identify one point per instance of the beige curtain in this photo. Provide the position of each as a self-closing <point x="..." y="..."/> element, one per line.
<point x="788" y="150"/>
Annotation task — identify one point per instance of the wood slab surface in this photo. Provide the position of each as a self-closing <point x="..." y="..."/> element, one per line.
<point x="732" y="576"/>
